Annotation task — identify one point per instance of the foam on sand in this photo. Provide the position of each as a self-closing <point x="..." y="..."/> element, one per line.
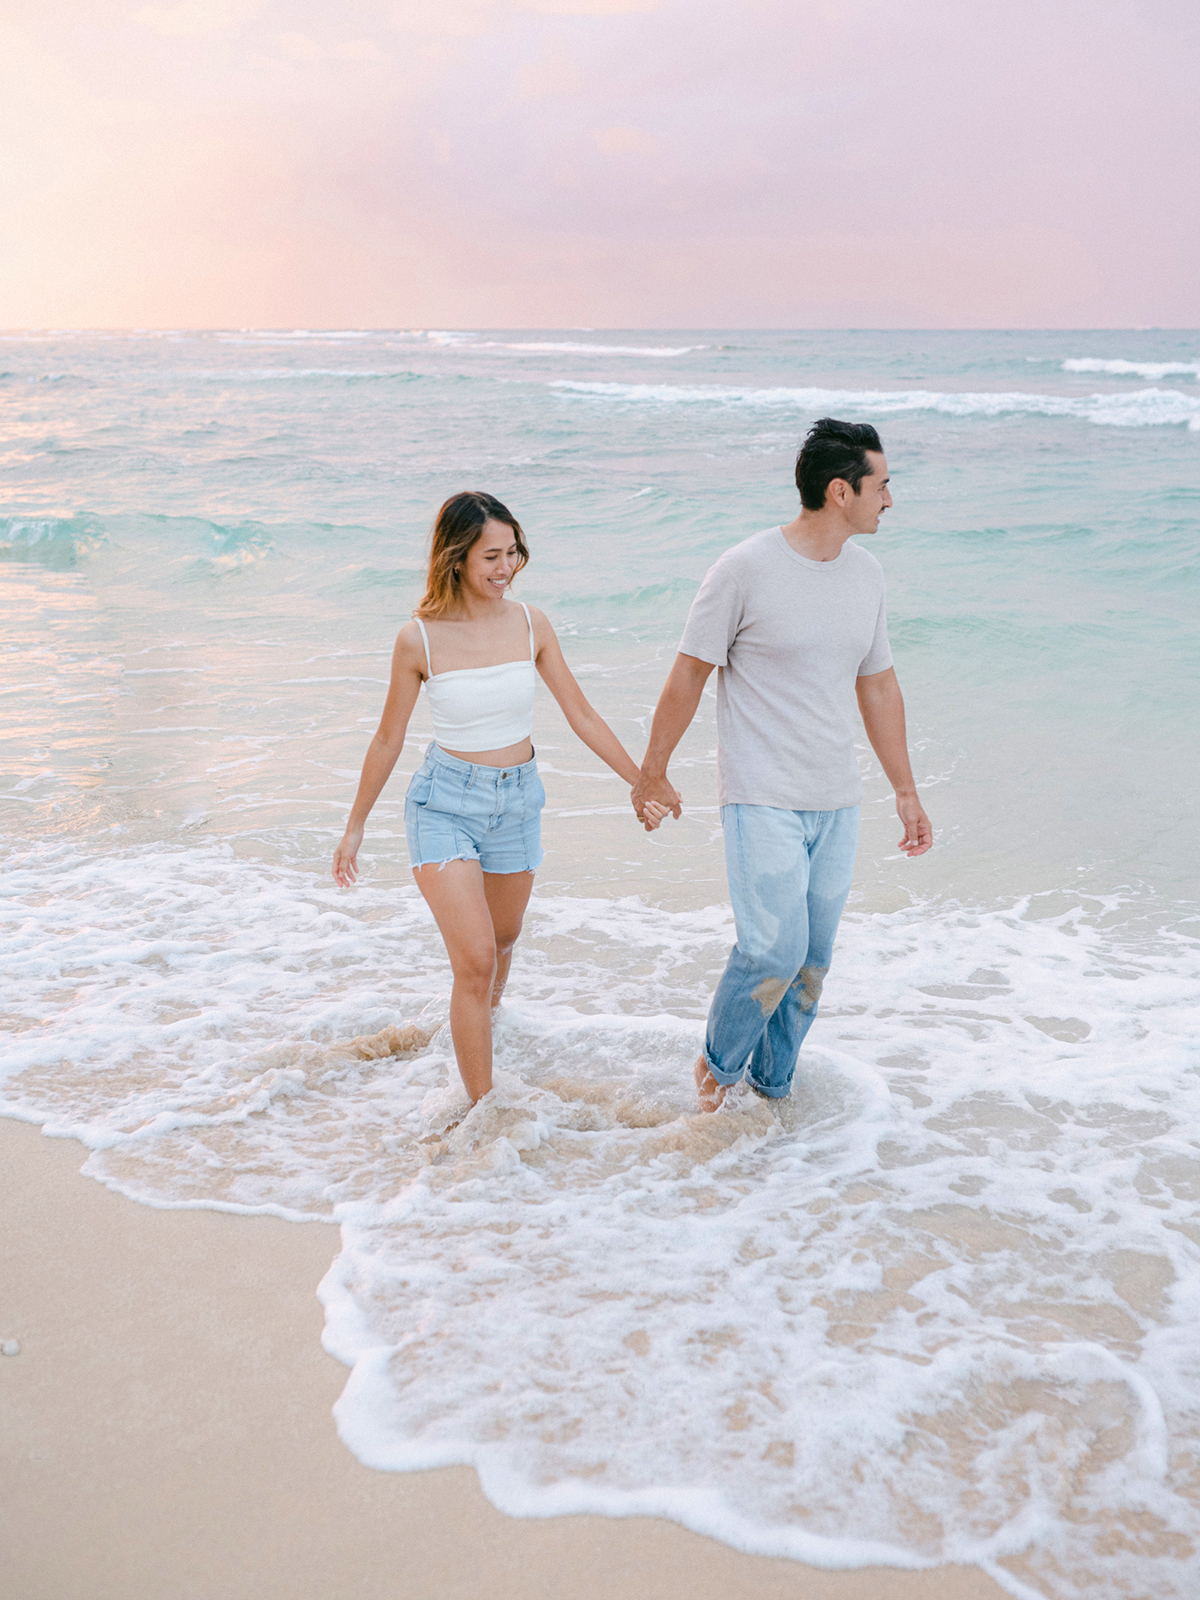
<point x="937" y="1306"/>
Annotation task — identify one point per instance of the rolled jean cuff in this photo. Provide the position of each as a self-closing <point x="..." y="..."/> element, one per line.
<point x="728" y="1079"/>
<point x="725" y="1079"/>
<point x="776" y="1093"/>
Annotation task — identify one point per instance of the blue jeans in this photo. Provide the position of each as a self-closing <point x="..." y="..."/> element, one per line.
<point x="789" y="875"/>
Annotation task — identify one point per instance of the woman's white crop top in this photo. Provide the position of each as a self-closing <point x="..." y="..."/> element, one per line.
<point x="482" y="708"/>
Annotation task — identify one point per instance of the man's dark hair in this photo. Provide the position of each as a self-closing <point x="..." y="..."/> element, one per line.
<point x="833" y="449"/>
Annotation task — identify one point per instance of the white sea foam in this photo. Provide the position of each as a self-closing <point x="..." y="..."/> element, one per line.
<point x="1151" y="370"/>
<point x="444" y="335"/>
<point x="296" y="335"/>
<point x="567" y="347"/>
<point x="476" y="341"/>
<point x="1143" y="408"/>
<point x="269" y="374"/>
<point x="937" y="1306"/>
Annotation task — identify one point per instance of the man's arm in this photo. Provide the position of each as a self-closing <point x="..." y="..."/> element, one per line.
<point x="672" y="716"/>
<point x="882" y="707"/>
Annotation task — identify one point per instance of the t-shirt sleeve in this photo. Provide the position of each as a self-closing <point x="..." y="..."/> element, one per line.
<point x="879" y="657"/>
<point x="714" y="619"/>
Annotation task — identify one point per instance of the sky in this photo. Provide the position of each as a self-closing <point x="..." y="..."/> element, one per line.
<point x="599" y="163"/>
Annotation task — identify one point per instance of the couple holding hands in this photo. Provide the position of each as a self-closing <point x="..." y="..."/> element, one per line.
<point x="793" y="618"/>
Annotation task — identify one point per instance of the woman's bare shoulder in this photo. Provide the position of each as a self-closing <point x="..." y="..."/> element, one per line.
<point x="541" y="622"/>
<point x="410" y="647"/>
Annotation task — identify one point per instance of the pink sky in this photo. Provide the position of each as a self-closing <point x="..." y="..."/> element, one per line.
<point x="619" y="163"/>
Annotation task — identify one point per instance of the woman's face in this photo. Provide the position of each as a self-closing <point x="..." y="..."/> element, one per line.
<point x="491" y="562"/>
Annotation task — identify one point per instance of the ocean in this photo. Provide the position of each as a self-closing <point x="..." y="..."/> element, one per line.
<point x="942" y="1304"/>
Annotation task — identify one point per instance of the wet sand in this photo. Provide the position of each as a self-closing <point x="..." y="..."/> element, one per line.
<point x="167" y="1432"/>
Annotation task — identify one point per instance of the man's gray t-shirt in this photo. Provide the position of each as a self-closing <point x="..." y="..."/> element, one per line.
<point x="790" y="636"/>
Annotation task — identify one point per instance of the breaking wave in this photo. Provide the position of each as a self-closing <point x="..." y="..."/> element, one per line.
<point x="56" y="542"/>
<point x="1152" y="370"/>
<point x="1146" y="408"/>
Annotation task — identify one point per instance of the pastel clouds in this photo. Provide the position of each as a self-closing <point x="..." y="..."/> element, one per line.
<point x="590" y="8"/>
<point x="626" y="142"/>
<point x="599" y="162"/>
<point x="193" y="19"/>
<point x="301" y="48"/>
<point x="462" y="18"/>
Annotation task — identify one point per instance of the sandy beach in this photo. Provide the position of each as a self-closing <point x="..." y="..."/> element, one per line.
<point x="940" y="1301"/>
<point x="169" y="1433"/>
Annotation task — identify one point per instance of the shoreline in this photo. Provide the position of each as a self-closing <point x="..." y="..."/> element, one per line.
<point x="169" y="1432"/>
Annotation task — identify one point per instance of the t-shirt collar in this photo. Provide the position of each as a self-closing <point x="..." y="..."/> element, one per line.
<point x="806" y="561"/>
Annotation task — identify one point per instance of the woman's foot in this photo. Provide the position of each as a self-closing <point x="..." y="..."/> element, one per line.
<point x="711" y="1092"/>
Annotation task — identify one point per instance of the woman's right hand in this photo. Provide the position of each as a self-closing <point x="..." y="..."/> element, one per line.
<point x="345" y="857"/>
<point x="652" y="815"/>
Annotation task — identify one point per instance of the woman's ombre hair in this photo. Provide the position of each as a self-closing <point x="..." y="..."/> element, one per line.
<point x="459" y="524"/>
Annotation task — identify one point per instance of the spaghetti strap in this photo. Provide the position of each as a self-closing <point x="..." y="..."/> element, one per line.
<point x="529" y="620"/>
<point x="425" y="636"/>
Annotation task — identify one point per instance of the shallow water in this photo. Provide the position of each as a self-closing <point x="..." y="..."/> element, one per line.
<point x="941" y="1305"/>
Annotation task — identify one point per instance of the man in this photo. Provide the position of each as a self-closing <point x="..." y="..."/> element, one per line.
<point x="792" y="619"/>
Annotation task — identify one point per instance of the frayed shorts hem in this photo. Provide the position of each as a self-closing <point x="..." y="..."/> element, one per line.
<point x="493" y="872"/>
<point x="462" y="811"/>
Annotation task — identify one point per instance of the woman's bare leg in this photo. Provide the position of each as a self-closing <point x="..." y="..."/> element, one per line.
<point x="454" y="893"/>
<point x="479" y="916"/>
<point x="507" y="896"/>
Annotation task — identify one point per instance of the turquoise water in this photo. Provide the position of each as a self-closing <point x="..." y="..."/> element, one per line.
<point x="263" y="497"/>
<point x="207" y="544"/>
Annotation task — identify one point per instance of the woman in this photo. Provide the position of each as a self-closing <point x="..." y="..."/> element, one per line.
<point x="473" y="811"/>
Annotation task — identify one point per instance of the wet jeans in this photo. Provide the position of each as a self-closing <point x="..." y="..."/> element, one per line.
<point x="789" y="875"/>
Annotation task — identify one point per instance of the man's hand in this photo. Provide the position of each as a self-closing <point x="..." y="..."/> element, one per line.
<point x="918" y="830"/>
<point x="654" y="786"/>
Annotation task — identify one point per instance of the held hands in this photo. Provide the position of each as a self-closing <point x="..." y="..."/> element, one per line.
<point x="652" y="815"/>
<point x="653" y="796"/>
<point x="918" y="830"/>
<point x="345" y="857"/>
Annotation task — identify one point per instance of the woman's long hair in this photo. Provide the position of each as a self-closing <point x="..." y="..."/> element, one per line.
<point x="459" y="524"/>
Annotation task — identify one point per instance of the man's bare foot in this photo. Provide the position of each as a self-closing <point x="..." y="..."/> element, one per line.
<point x="710" y="1091"/>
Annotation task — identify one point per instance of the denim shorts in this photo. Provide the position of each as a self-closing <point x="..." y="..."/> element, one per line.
<point x="459" y="811"/>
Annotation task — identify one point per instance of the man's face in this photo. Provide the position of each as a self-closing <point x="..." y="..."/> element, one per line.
<point x="865" y="508"/>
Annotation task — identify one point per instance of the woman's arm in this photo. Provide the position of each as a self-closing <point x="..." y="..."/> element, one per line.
<point x="384" y="750"/>
<point x="583" y="719"/>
